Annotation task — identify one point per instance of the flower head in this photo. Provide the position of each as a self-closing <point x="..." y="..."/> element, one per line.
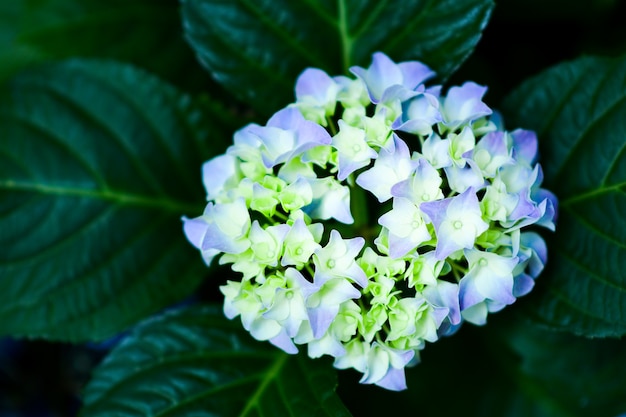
<point x="452" y="194"/>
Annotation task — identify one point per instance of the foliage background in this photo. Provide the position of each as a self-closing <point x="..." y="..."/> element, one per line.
<point x="546" y="356"/>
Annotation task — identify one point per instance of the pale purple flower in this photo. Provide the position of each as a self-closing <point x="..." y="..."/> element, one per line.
<point x="490" y="277"/>
<point x="533" y="256"/>
<point x="288" y="134"/>
<point x="337" y="260"/>
<point x="423" y="185"/>
<point x="419" y="114"/>
<point x="491" y="153"/>
<point x="457" y="220"/>
<point x="407" y="229"/>
<point x="385" y="367"/>
<point x="220" y="174"/>
<point x="464" y="104"/>
<point x="352" y="149"/>
<point x="316" y="85"/>
<point x="222" y="227"/>
<point x="389" y="169"/>
<point x="444" y="298"/>
<point x="323" y="298"/>
<point x="330" y="200"/>
<point x="384" y="73"/>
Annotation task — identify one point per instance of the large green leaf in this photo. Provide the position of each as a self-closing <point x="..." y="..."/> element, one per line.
<point x="98" y="161"/>
<point x="572" y="376"/>
<point x="578" y="110"/>
<point x="257" y="48"/>
<point x="146" y="33"/>
<point x="194" y="362"/>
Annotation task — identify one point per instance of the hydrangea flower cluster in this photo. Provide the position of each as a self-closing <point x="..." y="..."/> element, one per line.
<point x="449" y="194"/>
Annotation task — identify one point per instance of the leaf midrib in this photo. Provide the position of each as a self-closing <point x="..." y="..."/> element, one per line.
<point x="270" y="376"/>
<point x="113" y="196"/>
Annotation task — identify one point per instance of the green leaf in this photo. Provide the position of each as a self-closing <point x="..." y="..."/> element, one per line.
<point x="195" y="362"/>
<point x="577" y="109"/>
<point x="98" y="162"/>
<point x="146" y="33"/>
<point x="257" y="48"/>
<point x="573" y="376"/>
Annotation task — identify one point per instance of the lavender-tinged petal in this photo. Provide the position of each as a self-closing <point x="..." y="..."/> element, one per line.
<point x="394" y="380"/>
<point x="396" y="94"/>
<point x="476" y="314"/>
<point x="216" y="173"/>
<point x="286" y="119"/>
<point x="419" y="115"/>
<point x="389" y="169"/>
<point x="306" y="287"/>
<point x="436" y="210"/>
<point x="355" y="274"/>
<point x="550" y="215"/>
<point x="475" y="287"/>
<point x="539" y="255"/>
<point x="321" y="318"/>
<point x="195" y="230"/>
<point x="457" y="221"/>
<point x="216" y="239"/>
<point x="316" y="83"/>
<point x="445" y="294"/>
<point x="464" y="104"/>
<point x="460" y="179"/>
<point x="325" y="345"/>
<point x="522" y="285"/>
<point x="262" y="329"/>
<point x="284" y="342"/>
<point x="491" y="153"/>
<point x="400" y="246"/>
<point x="437" y="151"/>
<point x="414" y="73"/>
<point x="524" y="146"/>
<point x="381" y="74"/>
<point x="468" y="292"/>
<point x="308" y="136"/>
<point x="330" y="200"/>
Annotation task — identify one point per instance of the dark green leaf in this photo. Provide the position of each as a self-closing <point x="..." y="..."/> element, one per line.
<point x="574" y="376"/>
<point x="146" y="33"/>
<point x="578" y="109"/>
<point x="194" y="362"/>
<point x="258" y="48"/>
<point x="98" y="161"/>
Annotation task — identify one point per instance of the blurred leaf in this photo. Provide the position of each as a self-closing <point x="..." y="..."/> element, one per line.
<point x="98" y="161"/>
<point x="257" y="49"/>
<point x="581" y="377"/>
<point x="146" y="33"/>
<point x="578" y="109"/>
<point x="195" y="362"/>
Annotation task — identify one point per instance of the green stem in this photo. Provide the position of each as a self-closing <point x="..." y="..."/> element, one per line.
<point x="358" y="207"/>
<point x="331" y="126"/>
<point x="346" y="40"/>
<point x="281" y="216"/>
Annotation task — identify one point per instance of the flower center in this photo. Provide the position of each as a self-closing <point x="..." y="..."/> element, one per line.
<point x="330" y="263"/>
<point x="457" y="224"/>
